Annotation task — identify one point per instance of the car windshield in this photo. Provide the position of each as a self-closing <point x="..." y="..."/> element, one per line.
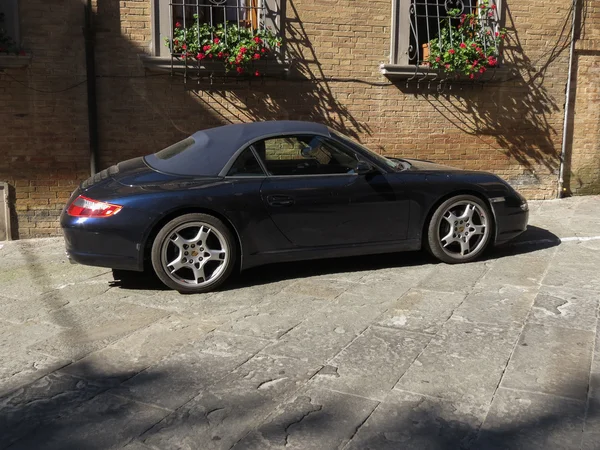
<point x="390" y="163"/>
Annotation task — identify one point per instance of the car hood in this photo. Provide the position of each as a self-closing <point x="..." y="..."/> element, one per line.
<point x="419" y="164"/>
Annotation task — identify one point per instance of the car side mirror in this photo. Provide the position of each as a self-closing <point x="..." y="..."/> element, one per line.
<point x="363" y="168"/>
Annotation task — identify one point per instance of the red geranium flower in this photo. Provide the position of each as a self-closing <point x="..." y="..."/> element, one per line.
<point x="206" y="48"/>
<point x="216" y="40"/>
<point x="463" y="45"/>
<point x="257" y="74"/>
<point x="184" y="46"/>
<point x="263" y="50"/>
<point x="438" y="59"/>
<point x="471" y="76"/>
<point x="239" y="69"/>
<point x="257" y="40"/>
<point x="256" y="56"/>
<point x="243" y="50"/>
<point x="177" y="25"/>
<point x="447" y="66"/>
<point x="493" y="6"/>
<point x="220" y="55"/>
<point x="482" y="70"/>
<point x="452" y="51"/>
<point x="200" y="56"/>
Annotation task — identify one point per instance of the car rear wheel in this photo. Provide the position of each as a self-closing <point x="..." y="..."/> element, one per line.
<point x="460" y="229"/>
<point x="194" y="253"/>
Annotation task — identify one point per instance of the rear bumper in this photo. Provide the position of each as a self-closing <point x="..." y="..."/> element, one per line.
<point x="112" y="242"/>
<point x="94" y="259"/>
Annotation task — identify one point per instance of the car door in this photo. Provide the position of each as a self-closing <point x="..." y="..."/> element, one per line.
<point x="315" y="196"/>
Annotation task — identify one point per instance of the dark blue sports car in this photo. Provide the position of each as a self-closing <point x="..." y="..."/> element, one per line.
<point x="242" y="195"/>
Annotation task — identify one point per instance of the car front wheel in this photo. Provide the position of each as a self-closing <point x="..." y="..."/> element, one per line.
<point x="460" y="229"/>
<point x="194" y="253"/>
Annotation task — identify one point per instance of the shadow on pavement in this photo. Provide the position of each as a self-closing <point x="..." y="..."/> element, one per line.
<point x="532" y="240"/>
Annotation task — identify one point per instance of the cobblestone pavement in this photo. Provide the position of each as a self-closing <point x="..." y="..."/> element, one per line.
<point x="380" y="352"/>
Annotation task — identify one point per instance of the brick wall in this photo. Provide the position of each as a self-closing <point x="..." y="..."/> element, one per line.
<point x="512" y="128"/>
<point x="43" y="137"/>
<point x="583" y="175"/>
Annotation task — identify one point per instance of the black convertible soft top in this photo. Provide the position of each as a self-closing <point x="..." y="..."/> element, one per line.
<point x="206" y="152"/>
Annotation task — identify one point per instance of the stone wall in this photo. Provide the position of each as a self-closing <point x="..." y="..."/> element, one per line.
<point x="512" y="128"/>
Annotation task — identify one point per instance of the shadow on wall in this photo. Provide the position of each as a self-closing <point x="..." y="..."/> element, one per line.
<point x="306" y="96"/>
<point x="519" y="116"/>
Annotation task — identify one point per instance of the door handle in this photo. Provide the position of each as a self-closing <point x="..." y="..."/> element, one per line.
<point x="280" y="200"/>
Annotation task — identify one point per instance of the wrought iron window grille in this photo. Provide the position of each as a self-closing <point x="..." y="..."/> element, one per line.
<point x="416" y="23"/>
<point x="202" y="23"/>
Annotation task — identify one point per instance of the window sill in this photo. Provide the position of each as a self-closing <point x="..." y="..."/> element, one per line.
<point x="422" y="73"/>
<point x="164" y="64"/>
<point x="10" y="61"/>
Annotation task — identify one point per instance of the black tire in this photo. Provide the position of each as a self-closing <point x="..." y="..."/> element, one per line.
<point x="453" y="250"/>
<point x="164" y="243"/>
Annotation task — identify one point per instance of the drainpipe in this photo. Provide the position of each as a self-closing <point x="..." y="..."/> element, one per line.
<point x="90" y="66"/>
<point x="567" y="104"/>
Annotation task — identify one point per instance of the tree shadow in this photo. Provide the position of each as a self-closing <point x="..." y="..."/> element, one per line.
<point x="412" y="421"/>
<point x="313" y="99"/>
<point x="513" y="112"/>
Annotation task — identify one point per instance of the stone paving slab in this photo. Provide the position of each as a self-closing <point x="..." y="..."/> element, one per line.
<point x="552" y="360"/>
<point x="387" y="351"/>
<point x="179" y="377"/>
<point x="567" y="308"/>
<point x="529" y="420"/>
<point x="314" y="419"/>
<point x="223" y="412"/>
<point x="410" y="421"/>
<point x="497" y="305"/>
<point x="463" y="362"/>
<point x="104" y="422"/>
<point x="373" y="363"/>
<point x="421" y="310"/>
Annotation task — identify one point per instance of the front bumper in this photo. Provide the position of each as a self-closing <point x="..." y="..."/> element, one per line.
<point x="511" y="219"/>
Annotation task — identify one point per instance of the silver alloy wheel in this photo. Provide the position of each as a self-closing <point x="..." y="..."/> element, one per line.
<point x="194" y="254"/>
<point x="463" y="229"/>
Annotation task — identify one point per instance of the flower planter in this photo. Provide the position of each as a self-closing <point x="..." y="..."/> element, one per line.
<point x="12" y="61"/>
<point x="270" y="67"/>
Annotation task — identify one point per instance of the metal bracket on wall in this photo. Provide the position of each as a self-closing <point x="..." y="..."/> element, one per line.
<point x="5" y="219"/>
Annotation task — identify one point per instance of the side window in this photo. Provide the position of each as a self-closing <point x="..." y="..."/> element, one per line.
<point x="304" y="155"/>
<point x="246" y="165"/>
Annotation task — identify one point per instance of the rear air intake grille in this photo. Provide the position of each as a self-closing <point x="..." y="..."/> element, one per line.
<point x="102" y="175"/>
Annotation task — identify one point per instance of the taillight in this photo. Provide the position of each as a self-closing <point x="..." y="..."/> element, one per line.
<point x="87" y="207"/>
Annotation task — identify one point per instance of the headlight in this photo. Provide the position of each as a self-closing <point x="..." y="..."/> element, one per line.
<point x="524" y="206"/>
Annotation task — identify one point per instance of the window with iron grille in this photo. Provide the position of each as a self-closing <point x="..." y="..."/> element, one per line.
<point x="9" y="26"/>
<point x="183" y="29"/>
<point x="423" y="30"/>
